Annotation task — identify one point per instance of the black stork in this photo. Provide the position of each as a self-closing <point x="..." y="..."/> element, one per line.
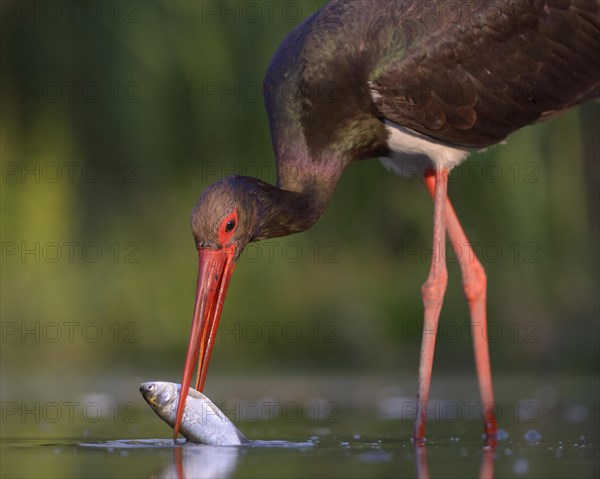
<point x="418" y="85"/>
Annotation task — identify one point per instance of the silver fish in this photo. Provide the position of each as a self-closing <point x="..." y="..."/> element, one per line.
<point x="203" y="422"/>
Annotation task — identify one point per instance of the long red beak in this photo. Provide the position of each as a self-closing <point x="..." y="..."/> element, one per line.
<point x="214" y="272"/>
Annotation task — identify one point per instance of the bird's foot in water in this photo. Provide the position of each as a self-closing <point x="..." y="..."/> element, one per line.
<point x="490" y="430"/>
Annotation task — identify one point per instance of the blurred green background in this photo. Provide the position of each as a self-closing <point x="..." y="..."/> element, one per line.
<point x="113" y="121"/>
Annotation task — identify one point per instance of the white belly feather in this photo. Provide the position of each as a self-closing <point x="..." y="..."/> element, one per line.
<point x="413" y="153"/>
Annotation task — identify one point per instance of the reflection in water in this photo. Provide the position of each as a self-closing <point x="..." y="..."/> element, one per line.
<point x="201" y="462"/>
<point x="487" y="464"/>
<point x="486" y="471"/>
<point x="421" y="462"/>
<point x="196" y="460"/>
<point x="187" y="460"/>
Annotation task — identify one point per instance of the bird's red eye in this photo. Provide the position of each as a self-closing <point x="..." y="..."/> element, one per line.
<point x="228" y="226"/>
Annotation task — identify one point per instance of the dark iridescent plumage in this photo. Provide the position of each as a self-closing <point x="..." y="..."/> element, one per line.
<point x="464" y="73"/>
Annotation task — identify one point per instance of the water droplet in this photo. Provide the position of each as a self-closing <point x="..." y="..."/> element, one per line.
<point x="502" y="435"/>
<point x="532" y="437"/>
<point x="508" y="452"/>
<point x="356" y="437"/>
<point x="582" y="438"/>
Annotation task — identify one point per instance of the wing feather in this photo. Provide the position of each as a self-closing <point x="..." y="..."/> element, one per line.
<point x="473" y="84"/>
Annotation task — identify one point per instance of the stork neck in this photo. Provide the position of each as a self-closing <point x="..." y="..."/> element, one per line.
<point x="294" y="206"/>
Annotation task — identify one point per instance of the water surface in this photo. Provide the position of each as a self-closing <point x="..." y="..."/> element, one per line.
<point x="347" y="428"/>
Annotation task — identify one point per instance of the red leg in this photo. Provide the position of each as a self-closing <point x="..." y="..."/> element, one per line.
<point x="474" y="285"/>
<point x="432" y="293"/>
